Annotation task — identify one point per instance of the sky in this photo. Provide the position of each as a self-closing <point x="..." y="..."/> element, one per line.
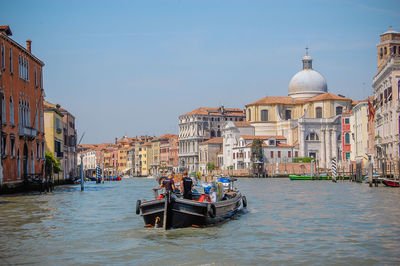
<point x="132" y="67"/>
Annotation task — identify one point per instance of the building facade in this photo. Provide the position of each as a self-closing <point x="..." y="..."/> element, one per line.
<point x="199" y="125"/>
<point x="54" y="134"/>
<point x="70" y="164"/>
<point x="208" y="155"/>
<point x="386" y="86"/>
<point x="22" y="130"/>
<point x="309" y="118"/>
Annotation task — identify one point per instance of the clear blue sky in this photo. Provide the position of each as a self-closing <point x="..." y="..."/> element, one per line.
<point x="132" y="67"/>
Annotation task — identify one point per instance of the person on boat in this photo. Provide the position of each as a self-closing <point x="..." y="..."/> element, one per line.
<point x="186" y="186"/>
<point x="168" y="184"/>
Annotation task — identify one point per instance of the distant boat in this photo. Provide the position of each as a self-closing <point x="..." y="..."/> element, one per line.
<point x="391" y="182"/>
<point x="307" y="177"/>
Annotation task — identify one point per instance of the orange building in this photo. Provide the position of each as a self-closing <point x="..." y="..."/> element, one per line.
<point x="21" y="86"/>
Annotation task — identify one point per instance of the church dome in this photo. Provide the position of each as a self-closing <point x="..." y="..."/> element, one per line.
<point x="307" y="83"/>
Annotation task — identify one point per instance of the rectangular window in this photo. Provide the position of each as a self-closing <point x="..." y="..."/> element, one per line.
<point x="43" y="151"/>
<point x="288" y="114"/>
<point x="3" y="59"/>
<point x="37" y="151"/>
<point x="296" y="154"/>
<point x="339" y="110"/>
<point x="3" y="145"/>
<point x="346" y="121"/>
<point x="3" y="103"/>
<point x="11" y="62"/>
<point x="36" y="85"/>
<point x="289" y="154"/>
<point x="272" y="154"/>
<point x="233" y="155"/>
<point x="347" y="155"/>
<point x="279" y="154"/>
<point x="318" y="112"/>
<point x="12" y="147"/>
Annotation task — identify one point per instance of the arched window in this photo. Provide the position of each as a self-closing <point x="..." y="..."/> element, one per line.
<point x="11" y="111"/>
<point x="318" y="112"/>
<point x="249" y="115"/>
<point x="212" y="133"/>
<point x="381" y="53"/>
<point x="347" y="139"/>
<point x="339" y="110"/>
<point x="219" y="133"/>
<point x="385" y="50"/>
<point x="312" y="136"/>
<point x="264" y="115"/>
<point x="394" y="49"/>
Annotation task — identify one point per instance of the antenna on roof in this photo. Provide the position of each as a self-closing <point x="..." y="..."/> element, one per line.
<point x="307" y="50"/>
<point x="83" y="134"/>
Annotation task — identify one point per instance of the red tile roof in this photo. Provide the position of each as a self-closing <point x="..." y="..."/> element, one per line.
<point x="7" y="29"/>
<point x="291" y="101"/>
<point x="242" y="124"/>
<point x="274" y="100"/>
<point x="217" y="140"/>
<point x="215" y="111"/>
<point x="328" y="96"/>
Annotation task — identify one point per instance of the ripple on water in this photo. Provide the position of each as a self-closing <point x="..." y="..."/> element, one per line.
<point x="286" y="223"/>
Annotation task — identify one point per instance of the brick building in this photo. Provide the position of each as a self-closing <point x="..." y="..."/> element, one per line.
<point x="22" y="132"/>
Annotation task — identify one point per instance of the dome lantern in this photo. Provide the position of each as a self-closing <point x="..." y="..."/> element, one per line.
<point x="307" y="60"/>
<point x="307" y="83"/>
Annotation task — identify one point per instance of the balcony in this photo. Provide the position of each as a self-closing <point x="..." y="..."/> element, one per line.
<point x="27" y="132"/>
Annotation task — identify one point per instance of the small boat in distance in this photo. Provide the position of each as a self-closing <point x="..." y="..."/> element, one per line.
<point x="391" y="182"/>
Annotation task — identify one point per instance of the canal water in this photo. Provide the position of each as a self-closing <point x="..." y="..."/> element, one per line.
<point x="287" y="222"/>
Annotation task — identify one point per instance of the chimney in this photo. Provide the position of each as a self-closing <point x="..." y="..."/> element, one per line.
<point x="116" y="139"/>
<point x="29" y="45"/>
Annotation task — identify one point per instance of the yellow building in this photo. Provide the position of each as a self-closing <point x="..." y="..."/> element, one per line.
<point x="53" y="129"/>
<point x="155" y="165"/>
<point x="122" y="163"/>
<point x="145" y="158"/>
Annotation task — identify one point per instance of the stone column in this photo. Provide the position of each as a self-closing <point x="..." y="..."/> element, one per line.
<point x="322" y="157"/>
<point x="334" y="144"/>
<point x="301" y="140"/>
<point x="328" y="148"/>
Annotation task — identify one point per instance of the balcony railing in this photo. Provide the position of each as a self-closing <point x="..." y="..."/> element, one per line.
<point x="27" y="132"/>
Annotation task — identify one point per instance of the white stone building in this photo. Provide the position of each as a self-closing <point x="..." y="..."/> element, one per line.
<point x="89" y="160"/>
<point x="359" y="135"/>
<point x="230" y="136"/>
<point x="386" y="86"/>
<point x="199" y="125"/>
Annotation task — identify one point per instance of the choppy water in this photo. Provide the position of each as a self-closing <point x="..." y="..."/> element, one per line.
<point x="288" y="222"/>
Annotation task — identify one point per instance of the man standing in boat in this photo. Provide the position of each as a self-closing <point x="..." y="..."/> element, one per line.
<point x="186" y="186"/>
<point x="168" y="184"/>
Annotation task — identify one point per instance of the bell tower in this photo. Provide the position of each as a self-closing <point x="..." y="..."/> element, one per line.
<point x="388" y="47"/>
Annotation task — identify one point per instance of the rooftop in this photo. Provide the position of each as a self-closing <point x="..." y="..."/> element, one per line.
<point x="216" y="111"/>
<point x="217" y="140"/>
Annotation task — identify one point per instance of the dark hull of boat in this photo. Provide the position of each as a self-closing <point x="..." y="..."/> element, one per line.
<point x="391" y="183"/>
<point x="186" y="213"/>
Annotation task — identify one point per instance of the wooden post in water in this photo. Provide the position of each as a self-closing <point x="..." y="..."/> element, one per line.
<point x="167" y="196"/>
<point x="370" y="169"/>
